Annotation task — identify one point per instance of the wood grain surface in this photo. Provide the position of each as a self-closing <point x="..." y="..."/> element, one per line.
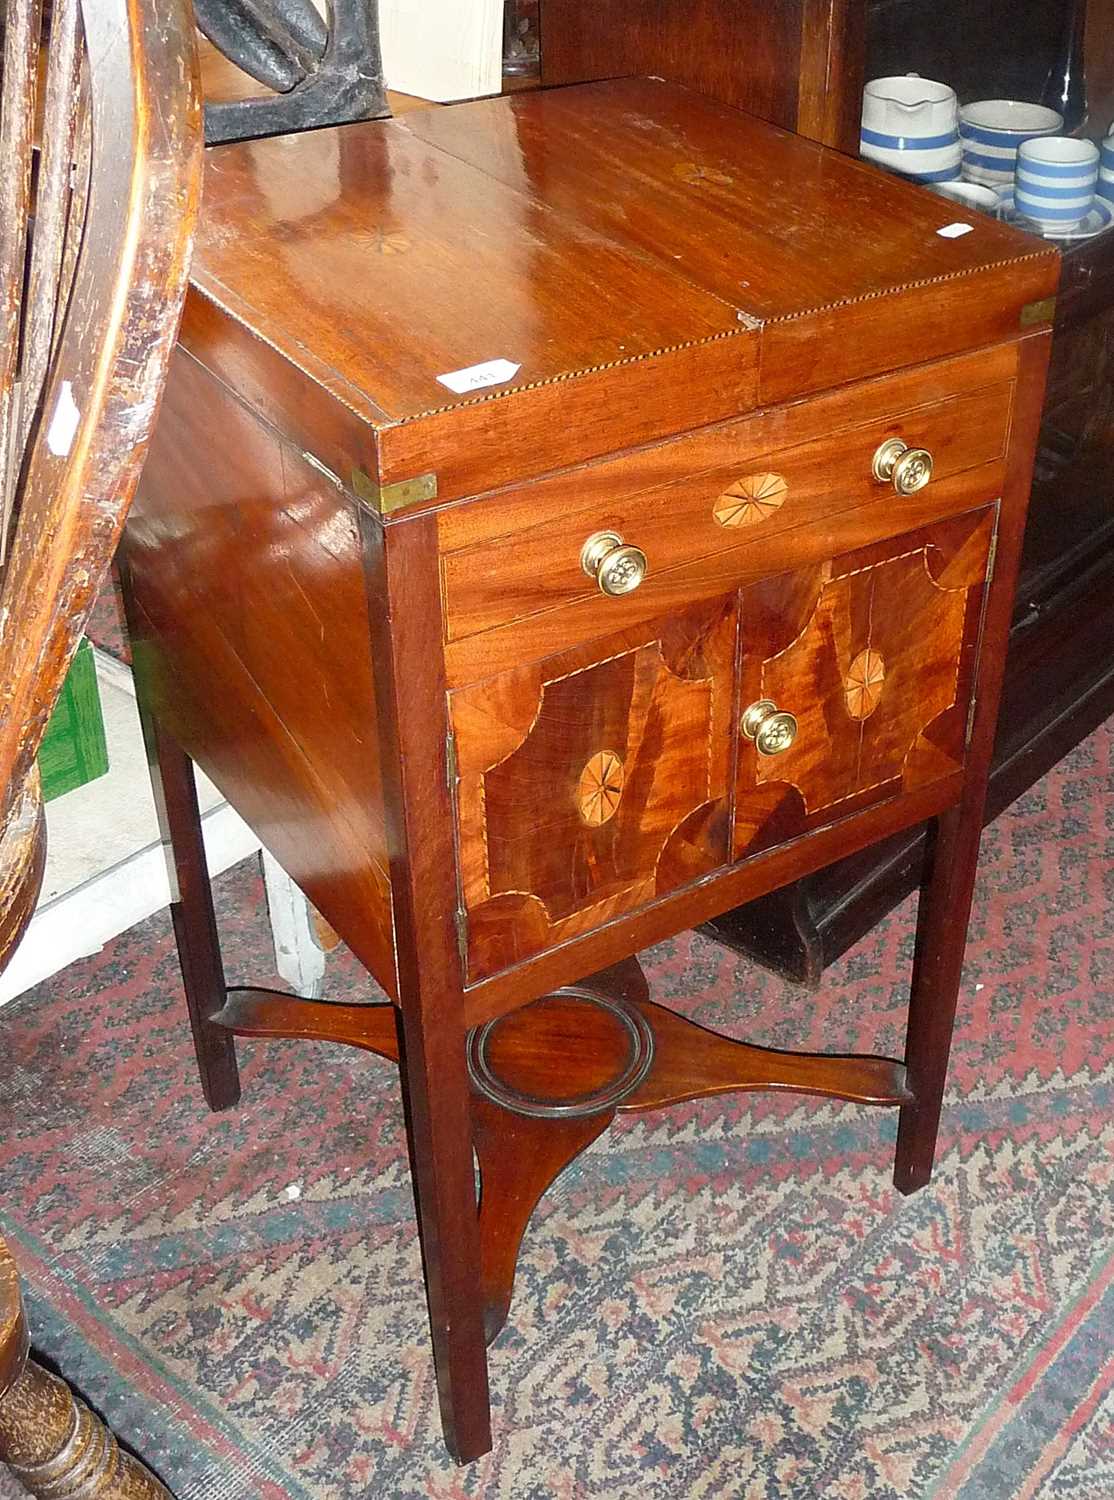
<point x="245" y="576"/>
<point x="490" y="778"/>
<point x="85" y="339"/>
<point x="906" y="614"/>
<point x="789" y="62"/>
<point x="616" y="243"/>
<point x="13" y="1326"/>
<point x="658" y="703"/>
<point x="518" y="574"/>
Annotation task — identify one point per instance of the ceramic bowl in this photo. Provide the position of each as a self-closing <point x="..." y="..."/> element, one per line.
<point x="991" y="131"/>
<point x="971" y="194"/>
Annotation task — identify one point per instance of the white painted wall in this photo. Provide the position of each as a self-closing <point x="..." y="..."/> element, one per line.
<point x="442" y="49"/>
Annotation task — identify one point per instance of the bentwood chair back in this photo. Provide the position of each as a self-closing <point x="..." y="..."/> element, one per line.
<point x="100" y="164"/>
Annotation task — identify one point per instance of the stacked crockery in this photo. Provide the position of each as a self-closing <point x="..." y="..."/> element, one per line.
<point x="1106" y="168"/>
<point x="971" y="194"/>
<point x="993" y="129"/>
<point x="1056" y="180"/>
<point x="911" y="125"/>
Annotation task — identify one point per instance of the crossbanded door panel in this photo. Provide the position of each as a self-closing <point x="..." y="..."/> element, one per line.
<point x="873" y="653"/>
<point x="593" y="781"/>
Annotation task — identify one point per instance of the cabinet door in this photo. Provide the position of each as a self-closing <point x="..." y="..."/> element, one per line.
<point x="873" y="654"/>
<point x="593" y="781"/>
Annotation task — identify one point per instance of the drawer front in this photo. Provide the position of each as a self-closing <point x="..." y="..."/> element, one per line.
<point x="746" y="495"/>
<point x="603" y="777"/>
<point x="873" y="655"/>
<point x="593" y="781"/>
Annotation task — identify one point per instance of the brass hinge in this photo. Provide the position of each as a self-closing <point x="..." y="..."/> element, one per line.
<point x="452" y="773"/>
<point x="992" y="555"/>
<point x="971" y="711"/>
<point x="460" y="920"/>
<point x="382" y="498"/>
<point x="385" y="498"/>
<point x="1038" y="312"/>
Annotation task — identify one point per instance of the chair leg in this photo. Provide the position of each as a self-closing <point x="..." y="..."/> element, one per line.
<point x="191" y="910"/>
<point x="945" y="907"/>
<point x="55" y="1445"/>
<point x="436" y="1098"/>
<point x="299" y="956"/>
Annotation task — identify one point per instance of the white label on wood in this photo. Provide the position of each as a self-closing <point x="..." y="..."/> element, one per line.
<point x="476" y="377"/>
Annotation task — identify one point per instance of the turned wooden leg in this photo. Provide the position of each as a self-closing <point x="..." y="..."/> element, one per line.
<point x="58" y="1449"/>
<point x="52" y="1442"/>
<point x="953" y="851"/>
<point x="191" y="911"/>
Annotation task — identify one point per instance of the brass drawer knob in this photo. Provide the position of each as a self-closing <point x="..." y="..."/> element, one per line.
<point x="908" y="469"/>
<point x="616" y="566"/>
<point x="771" y="728"/>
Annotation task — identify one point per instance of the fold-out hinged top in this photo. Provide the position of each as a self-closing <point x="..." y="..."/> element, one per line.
<point x="477" y="293"/>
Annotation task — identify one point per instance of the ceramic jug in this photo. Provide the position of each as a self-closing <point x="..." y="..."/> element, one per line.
<point x="912" y="125"/>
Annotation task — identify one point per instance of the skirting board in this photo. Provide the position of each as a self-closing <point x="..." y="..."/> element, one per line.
<point x="73" y="922"/>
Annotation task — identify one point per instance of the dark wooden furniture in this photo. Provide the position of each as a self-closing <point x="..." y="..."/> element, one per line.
<point x="801" y="63"/>
<point x="1060" y="670"/>
<point x="519" y="678"/>
<point x="797" y="63"/>
<point x="100" y="141"/>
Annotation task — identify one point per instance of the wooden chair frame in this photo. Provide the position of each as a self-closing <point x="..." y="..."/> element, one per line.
<point x="100" y="139"/>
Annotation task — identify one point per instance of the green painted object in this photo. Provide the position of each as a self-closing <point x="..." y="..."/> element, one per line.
<point x="74" y="750"/>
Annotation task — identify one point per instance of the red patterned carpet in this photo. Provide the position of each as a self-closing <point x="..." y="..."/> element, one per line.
<point x="723" y="1300"/>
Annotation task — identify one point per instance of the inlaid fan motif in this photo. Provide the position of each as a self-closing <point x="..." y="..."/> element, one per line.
<point x="693" y="173"/>
<point x="600" y="789"/>
<point x="751" y="499"/>
<point x="862" y="687"/>
<point x="390" y="242"/>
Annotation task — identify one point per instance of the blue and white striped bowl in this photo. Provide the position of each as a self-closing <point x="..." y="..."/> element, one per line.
<point x="1056" y="180"/>
<point x="991" y="131"/>
<point x="1106" y="169"/>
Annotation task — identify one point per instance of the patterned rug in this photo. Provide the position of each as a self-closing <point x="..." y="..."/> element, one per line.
<point x="727" y="1299"/>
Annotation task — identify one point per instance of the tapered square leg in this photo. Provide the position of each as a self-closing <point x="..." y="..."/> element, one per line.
<point x="191" y="906"/>
<point x="937" y="972"/>
<point x="436" y="1099"/>
<point x="407" y="648"/>
<point x="191" y="909"/>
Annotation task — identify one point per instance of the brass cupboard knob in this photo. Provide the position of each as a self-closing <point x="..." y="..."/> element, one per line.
<point x="617" y="567"/>
<point x="908" y="469"/>
<point x="771" y="728"/>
